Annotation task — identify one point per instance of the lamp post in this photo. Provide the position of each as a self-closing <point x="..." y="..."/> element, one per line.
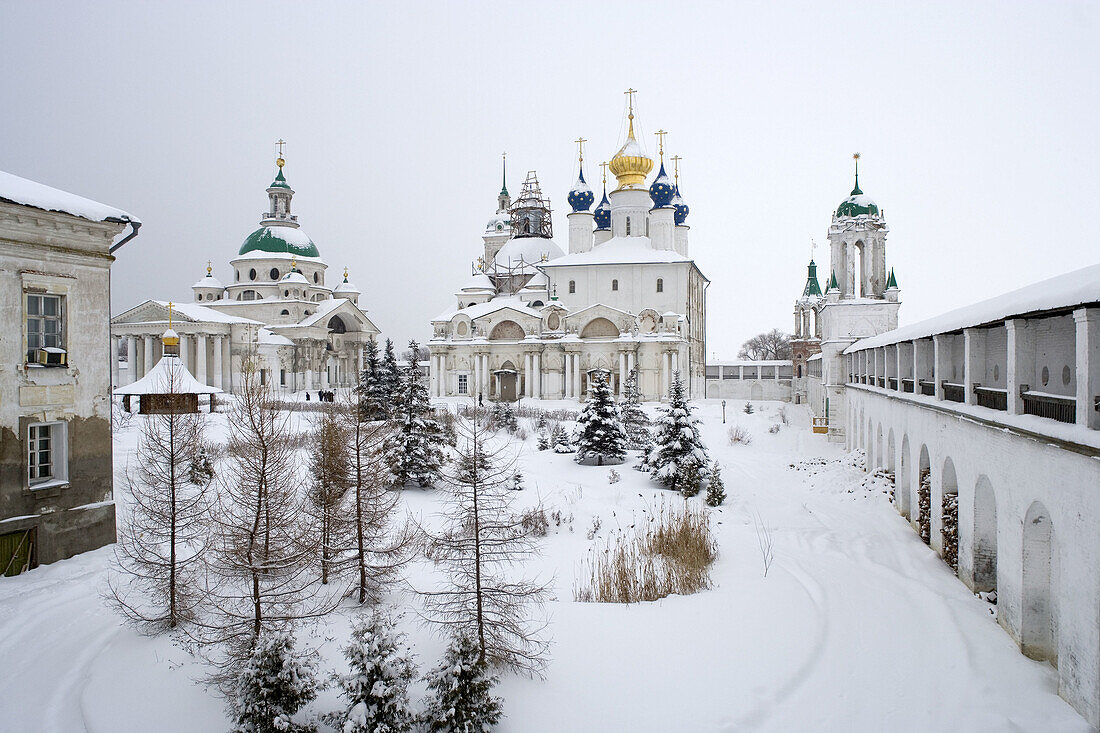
<point x="723" y="412"/>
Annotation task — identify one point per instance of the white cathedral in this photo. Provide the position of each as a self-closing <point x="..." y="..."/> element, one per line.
<point x="277" y="311"/>
<point x="533" y="321"/>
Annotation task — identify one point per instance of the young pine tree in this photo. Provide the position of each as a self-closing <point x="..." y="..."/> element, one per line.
<point x="636" y="422"/>
<point x="377" y="687"/>
<point x="690" y="481"/>
<point x="274" y="684"/>
<point x="481" y="543"/>
<point x="602" y="436"/>
<point x="370" y="390"/>
<point x="161" y="538"/>
<point x="415" y="450"/>
<point x="676" y="440"/>
<point x="460" y="691"/>
<point x="716" y="488"/>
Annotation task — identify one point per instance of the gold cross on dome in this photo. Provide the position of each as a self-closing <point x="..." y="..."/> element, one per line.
<point x="280" y="143"/>
<point x="661" y="141"/>
<point x="170" y="305"/>
<point x="580" y="141"/>
<point x="630" y="98"/>
<point x="676" y="161"/>
<point x="604" y="166"/>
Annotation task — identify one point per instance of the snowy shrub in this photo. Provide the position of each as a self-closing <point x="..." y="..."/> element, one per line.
<point x="560" y="440"/>
<point x="535" y="521"/>
<point x="782" y="415"/>
<point x="749" y="408"/>
<point x="716" y="488"/>
<point x="774" y="428"/>
<point x="274" y="685"/>
<point x="376" y="690"/>
<point x="594" y="528"/>
<point x="517" y="481"/>
<point x="521" y="434"/>
<point x="460" y="699"/>
<point x="669" y="553"/>
<point x="737" y="435"/>
<point x="613" y="477"/>
<point x="950" y="531"/>
<point x="924" y="506"/>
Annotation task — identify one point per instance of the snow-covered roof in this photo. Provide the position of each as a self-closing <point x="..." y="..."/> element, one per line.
<point x="196" y="312"/>
<point x="530" y="249"/>
<point x="479" y="281"/>
<point x="168" y="375"/>
<point x="295" y="277"/>
<point x="29" y="193"/>
<point x="1072" y="289"/>
<point x="492" y="306"/>
<point x="346" y="287"/>
<point x="619" y="251"/>
<point x="257" y="254"/>
<point x="267" y="337"/>
<point x="750" y="362"/>
<point x="209" y="282"/>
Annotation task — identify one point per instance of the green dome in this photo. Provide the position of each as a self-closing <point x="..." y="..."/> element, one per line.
<point x="858" y="204"/>
<point x="280" y="240"/>
<point x="280" y="181"/>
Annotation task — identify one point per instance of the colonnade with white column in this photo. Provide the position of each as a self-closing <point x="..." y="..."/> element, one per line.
<point x="211" y="363"/>
<point x="532" y="374"/>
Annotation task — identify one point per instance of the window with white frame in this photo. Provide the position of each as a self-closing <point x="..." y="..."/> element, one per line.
<point x="44" y="323"/>
<point x="46" y="459"/>
<point x="463" y="384"/>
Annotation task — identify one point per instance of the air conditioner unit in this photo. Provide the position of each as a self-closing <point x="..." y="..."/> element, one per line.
<point x="49" y="356"/>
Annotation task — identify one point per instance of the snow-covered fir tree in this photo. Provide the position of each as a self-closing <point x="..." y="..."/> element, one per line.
<point x="690" y="481"/>
<point x="602" y="436"/>
<point x="716" y="488"/>
<point x="389" y="377"/>
<point x="460" y="691"/>
<point x="370" y="387"/>
<point x="275" y="683"/>
<point x="376" y="689"/>
<point x="676" y="441"/>
<point x="415" y="450"/>
<point x="636" y="422"/>
<point x="560" y="440"/>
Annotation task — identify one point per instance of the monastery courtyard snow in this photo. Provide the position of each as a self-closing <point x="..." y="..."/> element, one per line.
<point x="857" y="625"/>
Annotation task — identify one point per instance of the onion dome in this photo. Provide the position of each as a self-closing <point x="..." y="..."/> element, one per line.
<point x="345" y="289"/>
<point x="531" y="250"/>
<point x="209" y="281"/>
<point x="280" y="180"/>
<point x="280" y="240"/>
<point x="631" y="165"/>
<point x="681" y="209"/>
<point x="581" y="196"/>
<point x="661" y="190"/>
<point x="857" y="203"/>
<point x="603" y="213"/>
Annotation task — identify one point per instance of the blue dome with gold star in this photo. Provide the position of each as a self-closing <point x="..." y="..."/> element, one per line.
<point x="603" y="213"/>
<point x="581" y="196"/>
<point x="661" y="190"/>
<point x="681" y="208"/>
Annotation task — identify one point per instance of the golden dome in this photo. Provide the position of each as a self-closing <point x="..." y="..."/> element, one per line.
<point x="631" y="165"/>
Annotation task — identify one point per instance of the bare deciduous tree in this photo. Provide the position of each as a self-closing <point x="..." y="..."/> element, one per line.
<point x="480" y="548"/>
<point x="260" y="569"/>
<point x="379" y="548"/>
<point x="161" y="530"/>
<point x="771" y="345"/>
<point x="330" y="480"/>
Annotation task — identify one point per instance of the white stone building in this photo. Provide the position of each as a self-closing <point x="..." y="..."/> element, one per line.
<point x="56" y="479"/>
<point x="276" y="309"/>
<point x="533" y="321"/>
<point x="992" y="412"/>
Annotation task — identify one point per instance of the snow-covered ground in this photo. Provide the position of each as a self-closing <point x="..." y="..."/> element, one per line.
<point x="857" y="626"/>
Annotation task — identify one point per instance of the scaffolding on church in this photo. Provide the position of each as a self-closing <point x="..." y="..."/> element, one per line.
<point x="530" y="211"/>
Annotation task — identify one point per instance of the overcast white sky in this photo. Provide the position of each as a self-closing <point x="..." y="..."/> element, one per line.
<point x="977" y="123"/>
